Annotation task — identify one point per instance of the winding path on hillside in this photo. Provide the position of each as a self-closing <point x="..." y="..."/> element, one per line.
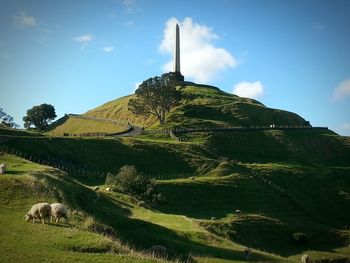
<point x="132" y="130"/>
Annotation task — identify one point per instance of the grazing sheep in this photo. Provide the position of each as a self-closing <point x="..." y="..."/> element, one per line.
<point x="57" y="211"/>
<point x="157" y="251"/>
<point x="108" y="189"/>
<point x="238" y="211"/>
<point x="305" y="259"/>
<point x="247" y="253"/>
<point x="40" y="211"/>
<point x="213" y="218"/>
<point x="2" y="168"/>
<point x="192" y="178"/>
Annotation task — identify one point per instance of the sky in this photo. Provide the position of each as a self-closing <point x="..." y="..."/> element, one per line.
<point x="76" y="55"/>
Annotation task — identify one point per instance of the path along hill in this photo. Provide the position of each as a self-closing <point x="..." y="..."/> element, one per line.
<point x="284" y="180"/>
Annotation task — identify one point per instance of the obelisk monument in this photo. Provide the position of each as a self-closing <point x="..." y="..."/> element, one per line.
<point x="177" y="50"/>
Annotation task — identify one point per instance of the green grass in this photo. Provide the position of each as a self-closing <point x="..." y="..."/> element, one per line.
<point x="78" y="126"/>
<point x="20" y="241"/>
<point x="204" y="106"/>
<point x="283" y="182"/>
<point x="183" y="223"/>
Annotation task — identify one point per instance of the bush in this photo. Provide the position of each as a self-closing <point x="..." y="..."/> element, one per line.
<point x="300" y="238"/>
<point x="130" y="181"/>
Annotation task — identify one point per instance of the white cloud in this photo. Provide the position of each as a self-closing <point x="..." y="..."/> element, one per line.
<point x="341" y="91"/>
<point x="132" y="6"/>
<point x="253" y="90"/>
<point x="200" y="59"/>
<point x="84" y="40"/>
<point x="108" y="49"/>
<point x="22" y="19"/>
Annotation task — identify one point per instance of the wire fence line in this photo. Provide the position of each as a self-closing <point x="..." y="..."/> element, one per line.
<point x="116" y="122"/>
<point x="81" y="171"/>
<point x="175" y="132"/>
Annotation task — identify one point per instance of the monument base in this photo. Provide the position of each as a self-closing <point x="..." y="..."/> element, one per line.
<point x="178" y="76"/>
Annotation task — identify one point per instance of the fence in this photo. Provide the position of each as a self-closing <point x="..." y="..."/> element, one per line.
<point x="173" y="133"/>
<point x="78" y="170"/>
<point x="116" y="122"/>
<point x="252" y="128"/>
<point x="98" y="134"/>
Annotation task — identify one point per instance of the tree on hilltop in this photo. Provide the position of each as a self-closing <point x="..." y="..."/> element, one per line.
<point x="156" y="96"/>
<point x="40" y="116"/>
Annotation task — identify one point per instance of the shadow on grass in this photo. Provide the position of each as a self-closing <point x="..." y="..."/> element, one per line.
<point x="135" y="232"/>
<point x="271" y="231"/>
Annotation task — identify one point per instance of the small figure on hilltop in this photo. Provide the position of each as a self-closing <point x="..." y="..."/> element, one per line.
<point x="247" y="253"/>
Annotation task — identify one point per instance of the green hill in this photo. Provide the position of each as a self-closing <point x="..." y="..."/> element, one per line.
<point x="204" y="106"/>
<point x="280" y="181"/>
<point x="77" y="126"/>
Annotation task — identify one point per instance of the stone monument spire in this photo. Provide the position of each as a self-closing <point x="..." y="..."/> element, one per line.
<point x="177" y="50"/>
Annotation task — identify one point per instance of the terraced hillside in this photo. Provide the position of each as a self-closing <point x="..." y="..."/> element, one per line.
<point x="76" y="126"/>
<point x="280" y="192"/>
<point x="204" y="106"/>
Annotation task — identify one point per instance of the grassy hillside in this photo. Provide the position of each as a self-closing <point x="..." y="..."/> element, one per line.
<point x="204" y="106"/>
<point x="267" y="220"/>
<point x="283" y="182"/>
<point x="27" y="183"/>
<point x="118" y="110"/>
<point x="77" y="126"/>
<point x="156" y="155"/>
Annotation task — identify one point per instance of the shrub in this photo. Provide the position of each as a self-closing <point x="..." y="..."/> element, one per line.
<point x="130" y="181"/>
<point x="300" y="238"/>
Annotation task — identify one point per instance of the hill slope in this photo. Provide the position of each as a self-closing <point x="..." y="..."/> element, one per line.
<point x="204" y="106"/>
<point x="282" y="181"/>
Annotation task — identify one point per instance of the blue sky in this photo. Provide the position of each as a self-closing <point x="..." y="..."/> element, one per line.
<point x="77" y="55"/>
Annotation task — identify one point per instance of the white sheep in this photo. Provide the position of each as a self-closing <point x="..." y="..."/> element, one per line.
<point x="57" y="211"/>
<point x="157" y="251"/>
<point x="305" y="259"/>
<point x="213" y="218"/>
<point x="40" y="211"/>
<point x="2" y="168"/>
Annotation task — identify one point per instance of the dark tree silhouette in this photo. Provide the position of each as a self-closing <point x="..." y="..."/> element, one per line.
<point x="39" y="116"/>
<point x="156" y="96"/>
<point x="7" y="120"/>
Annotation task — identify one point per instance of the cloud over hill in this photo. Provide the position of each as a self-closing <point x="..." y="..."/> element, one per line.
<point x="201" y="60"/>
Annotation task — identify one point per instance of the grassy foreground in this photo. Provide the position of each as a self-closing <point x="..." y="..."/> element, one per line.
<point x="20" y="241"/>
<point x="183" y="223"/>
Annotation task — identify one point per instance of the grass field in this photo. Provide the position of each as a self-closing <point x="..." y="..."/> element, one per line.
<point x="27" y="183"/>
<point x="183" y="223"/>
<point x="78" y="126"/>
<point x="203" y="106"/>
<point x="253" y="189"/>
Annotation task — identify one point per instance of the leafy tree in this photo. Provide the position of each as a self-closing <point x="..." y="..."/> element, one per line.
<point x="39" y="116"/>
<point x="7" y="120"/>
<point x="156" y="96"/>
<point x="130" y="181"/>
